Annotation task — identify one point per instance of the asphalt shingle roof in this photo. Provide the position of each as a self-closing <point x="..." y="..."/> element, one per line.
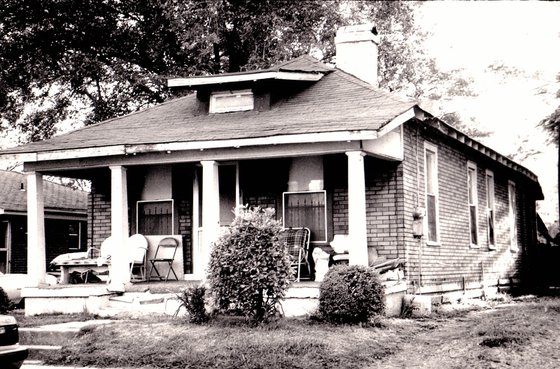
<point x="338" y="102"/>
<point x="56" y="196"/>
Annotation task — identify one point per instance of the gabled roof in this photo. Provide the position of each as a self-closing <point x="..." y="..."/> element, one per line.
<point x="340" y="102"/>
<point x="58" y="198"/>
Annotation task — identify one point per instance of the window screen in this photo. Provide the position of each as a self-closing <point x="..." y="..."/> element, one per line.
<point x="307" y="209"/>
<point x="155" y="217"/>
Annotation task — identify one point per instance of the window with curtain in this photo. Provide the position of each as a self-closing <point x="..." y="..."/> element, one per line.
<point x="307" y="209"/>
<point x="155" y="217"/>
<point x="473" y="201"/>
<point x="431" y="175"/>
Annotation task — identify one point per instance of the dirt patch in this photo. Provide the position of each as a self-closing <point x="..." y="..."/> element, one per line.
<point x="520" y="334"/>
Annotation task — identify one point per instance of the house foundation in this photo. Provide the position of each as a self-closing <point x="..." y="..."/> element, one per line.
<point x="67" y="300"/>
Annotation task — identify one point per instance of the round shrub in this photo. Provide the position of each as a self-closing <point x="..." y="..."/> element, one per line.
<point x="249" y="270"/>
<point x="351" y="294"/>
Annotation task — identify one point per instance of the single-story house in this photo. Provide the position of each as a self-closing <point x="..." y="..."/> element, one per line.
<point x="65" y="213"/>
<point x="65" y="221"/>
<point x="322" y="145"/>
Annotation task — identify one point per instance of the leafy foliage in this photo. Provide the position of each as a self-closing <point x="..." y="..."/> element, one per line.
<point x="552" y="122"/>
<point x="351" y="294"/>
<point x="91" y="60"/>
<point x="192" y="299"/>
<point x="5" y="303"/>
<point x="249" y="269"/>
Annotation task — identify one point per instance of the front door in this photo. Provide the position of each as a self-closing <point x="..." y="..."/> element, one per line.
<point x="228" y="179"/>
<point x="5" y="246"/>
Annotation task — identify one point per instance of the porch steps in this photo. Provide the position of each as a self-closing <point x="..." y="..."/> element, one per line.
<point x="301" y="299"/>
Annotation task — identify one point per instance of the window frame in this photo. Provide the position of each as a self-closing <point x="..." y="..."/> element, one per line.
<point x="78" y="235"/>
<point x="214" y="107"/>
<point x="472" y="189"/>
<point x="435" y="185"/>
<point x="512" y="213"/>
<point x="326" y="223"/>
<point x="490" y="208"/>
<point x="153" y="201"/>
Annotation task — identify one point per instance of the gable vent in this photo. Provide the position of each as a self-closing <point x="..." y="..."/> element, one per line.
<point x="231" y="101"/>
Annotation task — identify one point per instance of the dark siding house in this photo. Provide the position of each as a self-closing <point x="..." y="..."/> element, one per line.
<point x="324" y="147"/>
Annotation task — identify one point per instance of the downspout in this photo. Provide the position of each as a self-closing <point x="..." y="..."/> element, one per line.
<point x="419" y="239"/>
<point x="92" y="214"/>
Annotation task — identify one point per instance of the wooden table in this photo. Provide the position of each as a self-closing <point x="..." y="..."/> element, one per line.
<point x="81" y="265"/>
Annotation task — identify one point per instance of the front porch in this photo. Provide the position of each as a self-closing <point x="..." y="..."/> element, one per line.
<point x="194" y="201"/>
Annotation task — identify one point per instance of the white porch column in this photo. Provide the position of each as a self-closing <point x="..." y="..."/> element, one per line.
<point x="210" y="210"/>
<point x="119" y="272"/>
<point x="36" y="253"/>
<point x="357" y="226"/>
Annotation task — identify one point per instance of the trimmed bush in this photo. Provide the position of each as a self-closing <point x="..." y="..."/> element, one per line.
<point x="351" y="294"/>
<point x="193" y="301"/>
<point x="249" y="269"/>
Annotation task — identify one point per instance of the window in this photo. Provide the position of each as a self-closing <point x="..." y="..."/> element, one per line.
<point x="74" y="235"/>
<point x="490" y="209"/>
<point x="230" y="101"/>
<point x="473" y="201"/>
<point x="5" y="247"/>
<point x="307" y="209"/>
<point x="512" y="196"/>
<point x="431" y="175"/>
<point x="155" y="217"/>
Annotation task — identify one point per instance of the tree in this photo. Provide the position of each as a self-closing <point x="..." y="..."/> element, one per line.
<point x="90" y="60"/>
<point x="106" y="55"/>
<point x="552" y="125"/>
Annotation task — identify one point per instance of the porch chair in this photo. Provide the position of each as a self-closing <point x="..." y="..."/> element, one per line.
<point x="165" y="254"/>
<point x="297" y="241"/>
<point x="137" y="246"/>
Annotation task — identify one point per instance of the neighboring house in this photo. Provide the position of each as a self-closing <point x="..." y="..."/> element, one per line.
<point x="65" y="221"/>
<point x="324" y="147"/>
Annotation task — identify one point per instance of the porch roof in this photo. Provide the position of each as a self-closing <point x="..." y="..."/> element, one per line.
<point x="58" y="198"/>
<point x="338" y="102"/>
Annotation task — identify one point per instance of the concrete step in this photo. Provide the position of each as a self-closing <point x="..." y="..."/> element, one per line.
<point x="134" y="304"/>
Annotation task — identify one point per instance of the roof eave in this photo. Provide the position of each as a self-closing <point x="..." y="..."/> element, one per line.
<point x="243" y="77"/>
<point x="117" y="150"/>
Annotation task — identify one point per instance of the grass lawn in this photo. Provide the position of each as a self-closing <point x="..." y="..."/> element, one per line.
<point x="518" y="335"/>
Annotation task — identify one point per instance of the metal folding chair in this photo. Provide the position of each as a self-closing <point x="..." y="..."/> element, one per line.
<point x="137" y="250"/>
<point x="165" y="254"/>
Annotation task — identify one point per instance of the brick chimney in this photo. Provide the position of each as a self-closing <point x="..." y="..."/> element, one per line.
<point x="356" y="51"/>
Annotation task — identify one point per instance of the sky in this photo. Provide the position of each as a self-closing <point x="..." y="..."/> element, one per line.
<point x="523" y="37"/>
